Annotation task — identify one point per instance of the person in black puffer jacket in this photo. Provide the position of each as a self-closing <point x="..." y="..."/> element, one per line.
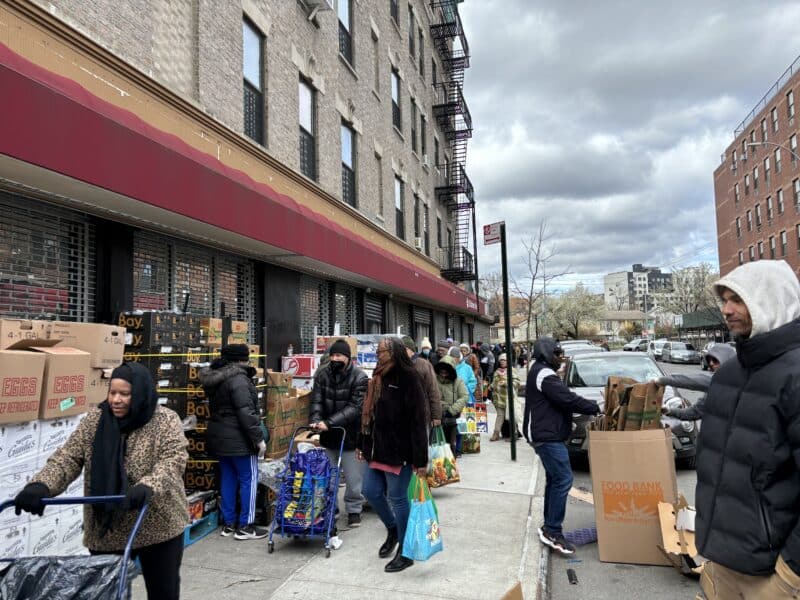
<point x="235" y="437"/>
<point x="748" y="456"/>
<point x="549" y="405"/>
<point x="336" y="401"/>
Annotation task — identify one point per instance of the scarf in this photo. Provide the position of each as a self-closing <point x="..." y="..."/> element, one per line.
<point x="373" y="395"/>
<point x="108" y="475"/>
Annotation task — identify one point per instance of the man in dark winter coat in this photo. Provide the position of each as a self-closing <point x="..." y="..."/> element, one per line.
<point x="336" y="401"/>
<point x="748" y="458"/>
<point x="234" y="436"/>
<point x="428" y="380"/>
<point x="549" y="405"/>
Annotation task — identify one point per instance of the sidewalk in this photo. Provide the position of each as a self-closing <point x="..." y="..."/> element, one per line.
<point x="488" y="524"/>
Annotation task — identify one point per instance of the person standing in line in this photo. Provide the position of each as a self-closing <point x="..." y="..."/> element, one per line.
<point x="500" y="394"/>
<point x="394" y="441"/>
<point x="127" y="446"/>
<point x="425" y="349"/>
<point x="487" y="361"/>
<point x="464" y="371"/>
<point x="428" y="379"/>
<point x="549" y="406"/>
<point x="469" y="357"/>
<point x="748" y="456"/>
<point x="235" y="437"/>
<point x="441" y="351"/>
<point x="454" y="397"/>
<point x="336" y="401"/>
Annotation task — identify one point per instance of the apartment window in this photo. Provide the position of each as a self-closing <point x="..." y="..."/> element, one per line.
<point x="744" y="150"/>
<point x="413" y="125"/>
<point x="752" y="253"/>
<point x="780" y="202"/>
<point x="741" y="257"/>
<point x="436" y="151"/>
<point x="770" y="211"/>
<point x="412" y="30"/>
<point x="348" y="164"/>
<point x="379" y="166"/>
<point x="439" y="231"/>
<point x="793" y="148"/>
<point x="396" y="115"/>
<point x="308" y="118"/>
<point x="796" y="187"/>
<point x="734" y="160"/>
<point x="738" y="227"/>
<point x="736" y="196"/>
<point x="772" y="247"/>
<point x="400" y="224"/>
<point x="764" y="130"/>
<point x="433" y="72"/>
<point x="252" y="70"/>
<point x="426" y="229"/>
<point x="755" y="178"/>
<point x="747" y="184"/>
<point x="417" y="216"/>
<point x="394" y="11"/>
<point x="376" y="63"/>
<point x="790" y="104"/>
<point x="346" y="30"/>
<point x="421" y="49"/>
<point x="753" y="141"/>
<point x="797" y="228"/>
<point x="777" y="160"/>
<point x="758" y="215"/>
<point x="774" y="114"/>
<point x="760" y="250"/>
<point x="784" y="243"/>
<point x="749" y="220"/>
<point x="766" y="171"/>
<point x="423" y="137"/>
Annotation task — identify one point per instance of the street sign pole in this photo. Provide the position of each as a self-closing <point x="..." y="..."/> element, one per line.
<point x="512" y="424"/>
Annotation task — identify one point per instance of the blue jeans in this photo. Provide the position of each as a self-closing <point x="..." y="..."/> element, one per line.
<point x="238" y="474"/>
<point x="555" y="458"/>
<point x="378" y="485"/>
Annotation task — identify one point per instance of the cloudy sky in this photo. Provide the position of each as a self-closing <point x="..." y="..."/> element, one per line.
<point x="608" y="120"/>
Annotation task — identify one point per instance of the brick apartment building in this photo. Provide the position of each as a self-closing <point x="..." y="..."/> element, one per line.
<point x="757" y="185"/>
<point x="299" y="161"/>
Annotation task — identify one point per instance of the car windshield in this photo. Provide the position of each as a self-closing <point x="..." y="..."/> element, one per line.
<point x="595" y="371"/>
<point x="575" y="349"/>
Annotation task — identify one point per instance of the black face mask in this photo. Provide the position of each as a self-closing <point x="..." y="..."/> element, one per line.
<point x="337" y="366"/>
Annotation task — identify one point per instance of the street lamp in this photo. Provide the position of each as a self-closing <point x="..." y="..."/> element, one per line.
<point x="789" y="150"/>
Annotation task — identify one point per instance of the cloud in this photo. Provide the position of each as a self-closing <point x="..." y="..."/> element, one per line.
<point x="608" y="119"/>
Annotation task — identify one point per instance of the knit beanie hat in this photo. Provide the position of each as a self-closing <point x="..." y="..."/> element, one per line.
<point x="443" y="344"/>
<point x="409" y="343"/>
<point x="340" y="347"/>
<point x="236" y="352"/>
<point x="455" y="353"/>
<point x="426" y="343"/>
<point x="465" y="346"/>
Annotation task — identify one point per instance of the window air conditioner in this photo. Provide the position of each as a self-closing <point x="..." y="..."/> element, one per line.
<point x="418" y="243"/>
<point x="744" y="156"/>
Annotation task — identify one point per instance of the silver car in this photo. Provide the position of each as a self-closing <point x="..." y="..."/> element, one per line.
<point x="679" y="352"/>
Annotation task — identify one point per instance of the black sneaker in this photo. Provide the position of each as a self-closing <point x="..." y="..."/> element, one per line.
<point x="353" y="520"/>
<point x="251" y="532"/>
<point x="227" y="530"/>
<point x="556" y="542"/>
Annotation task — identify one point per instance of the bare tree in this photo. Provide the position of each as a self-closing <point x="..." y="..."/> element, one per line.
<point x="692" y="291"/>
<point x="530" y="288"/>
<point x="576" y="308"/>
<point x="492" y="286"/>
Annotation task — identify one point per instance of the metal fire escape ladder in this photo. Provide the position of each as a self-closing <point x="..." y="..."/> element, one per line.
<point x="452" y="115"/>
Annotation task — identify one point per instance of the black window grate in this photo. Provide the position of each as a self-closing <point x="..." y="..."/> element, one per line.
<point x="402" y="318"/>
<point x="348" y="185"/>
<point x="253" y="113"/>
<point x="345" y="43"/>
<point x="314" y="310"/>
<point x="308" y="155"/>
<point x="346" y="309"/>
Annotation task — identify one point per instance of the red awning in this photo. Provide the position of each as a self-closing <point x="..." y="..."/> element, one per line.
<point x="52" y="122"/>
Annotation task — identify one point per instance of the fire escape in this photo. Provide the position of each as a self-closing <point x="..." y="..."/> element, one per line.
<point x="450" y="110"/>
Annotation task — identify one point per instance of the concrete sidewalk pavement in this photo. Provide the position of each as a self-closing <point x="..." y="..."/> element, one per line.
<point x="488" y="524"/>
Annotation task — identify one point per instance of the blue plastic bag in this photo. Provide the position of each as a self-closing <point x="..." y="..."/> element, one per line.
<point x="423" y="538"/>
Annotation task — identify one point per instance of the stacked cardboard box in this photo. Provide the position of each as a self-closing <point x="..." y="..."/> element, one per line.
<point x="286" y="408"/>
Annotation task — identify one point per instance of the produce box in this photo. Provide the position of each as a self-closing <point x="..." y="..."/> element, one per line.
<point x="105" y="343"/>
<point x="21" y="382"/>
<point x="201" y="475"/>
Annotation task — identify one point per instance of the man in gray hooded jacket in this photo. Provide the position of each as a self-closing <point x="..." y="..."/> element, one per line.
<point x="748" y="462"/>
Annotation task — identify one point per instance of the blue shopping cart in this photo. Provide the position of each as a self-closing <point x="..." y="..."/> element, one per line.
<point x="306" y="502"/>
<point x="98" y="577"/>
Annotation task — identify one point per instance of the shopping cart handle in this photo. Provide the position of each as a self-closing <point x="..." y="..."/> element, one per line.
<point x="70" y="500"/>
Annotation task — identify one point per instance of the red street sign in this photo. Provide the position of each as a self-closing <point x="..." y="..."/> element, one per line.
<point x="491" y="233"/>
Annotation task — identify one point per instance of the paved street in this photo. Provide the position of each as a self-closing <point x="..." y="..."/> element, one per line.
<point x="599" y="581"/>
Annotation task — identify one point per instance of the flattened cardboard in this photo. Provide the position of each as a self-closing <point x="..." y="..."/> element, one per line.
<point x="21" y="383"/>
<point x="106" y="343"/>
<point x="632" y="471"/>
<point x="678" y="545"/>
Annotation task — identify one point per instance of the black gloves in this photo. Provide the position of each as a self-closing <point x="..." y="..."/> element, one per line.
<point x="30" y="498"/>
<point x="137" y="496"/>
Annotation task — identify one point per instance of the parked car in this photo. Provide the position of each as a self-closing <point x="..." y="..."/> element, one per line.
<point x="655" y="347"/>
<point x="636" y="345"/>
<point x="587" y="375"/>
<point x="575" y="349"/>
<point x="680" y="352"/>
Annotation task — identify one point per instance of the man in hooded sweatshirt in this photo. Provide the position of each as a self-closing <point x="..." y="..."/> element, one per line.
<point x="748" y="458"/>
<point x="549" y="405"/>
<point x="699" y="382"/>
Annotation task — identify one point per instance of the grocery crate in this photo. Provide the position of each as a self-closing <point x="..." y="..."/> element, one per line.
<point x="200" y="529"/>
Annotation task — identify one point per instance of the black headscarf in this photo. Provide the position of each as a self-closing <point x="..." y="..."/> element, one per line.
<point x="108" y="476"/>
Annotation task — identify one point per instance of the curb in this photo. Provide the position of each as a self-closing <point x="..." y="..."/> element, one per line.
<point x="543" y="575"/>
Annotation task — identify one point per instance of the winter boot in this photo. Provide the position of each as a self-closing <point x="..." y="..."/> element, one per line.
<point x="388" y="546"/>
